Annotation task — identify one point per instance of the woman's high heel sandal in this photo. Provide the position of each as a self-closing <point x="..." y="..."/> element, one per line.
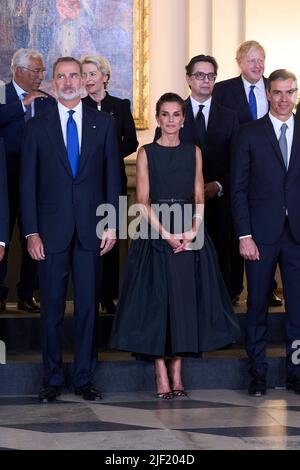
<point x="165" y="396"/>
<point x="179" y="393"/>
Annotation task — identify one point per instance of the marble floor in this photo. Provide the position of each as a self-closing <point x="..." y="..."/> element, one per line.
<point x="206" y="419"/>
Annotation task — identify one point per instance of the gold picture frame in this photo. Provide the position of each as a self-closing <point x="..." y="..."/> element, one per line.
<point x="141" y="26"/>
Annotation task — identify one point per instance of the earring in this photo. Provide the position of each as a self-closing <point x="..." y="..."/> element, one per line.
<point x="158" y="125"/>
<point x="182" y="125"/>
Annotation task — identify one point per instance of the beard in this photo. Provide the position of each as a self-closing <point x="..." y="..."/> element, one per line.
<point x="69" y="96"/>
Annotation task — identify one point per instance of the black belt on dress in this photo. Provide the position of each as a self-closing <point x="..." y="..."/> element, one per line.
<point x="160" y="201"/>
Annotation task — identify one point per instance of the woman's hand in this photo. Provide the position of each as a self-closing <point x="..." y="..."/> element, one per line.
<point x="186" y="239"/>
<point x="175" y="241"/>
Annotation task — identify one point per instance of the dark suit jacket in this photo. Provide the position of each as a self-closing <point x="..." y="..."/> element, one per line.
<point x="12" y="126"/>
<point x="221" y="131"/>
<point x="126" y="134"/>
<point x="4" y="216"/>
<point x="231" y="93"/>
<point x="262" y="189"/>
<point x="53" y="203"/>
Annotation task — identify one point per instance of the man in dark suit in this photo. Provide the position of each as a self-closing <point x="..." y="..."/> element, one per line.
<point x="247" y="95"/>
<point x="265" y="199"/>
<point x="212" y="127"/>
<point x="4" y="214"/>
<point x="70" y="166"/>
<point x="22" y="99"/>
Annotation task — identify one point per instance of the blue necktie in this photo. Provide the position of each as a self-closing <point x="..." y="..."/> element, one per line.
<point x="252" y="102"/>
<point x="72" y="143"/>
<point x="283" y="144"/>
<point x="28" y="112"/>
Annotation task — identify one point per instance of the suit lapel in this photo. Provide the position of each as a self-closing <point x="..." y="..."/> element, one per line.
<point x="187" y="133"/>
<point x="269" y="129"/>
<point x="89" y="131"/>
<point x="189" y="116"/>
<point x="11" y="94"/>
<point x="295" y="143"/>
<point x="213" y="117"/>
<point x="241" y="93"/>
<point x="56" y="137"/>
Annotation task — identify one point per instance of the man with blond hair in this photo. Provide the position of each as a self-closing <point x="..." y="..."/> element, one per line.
<point x="247" y="95"/>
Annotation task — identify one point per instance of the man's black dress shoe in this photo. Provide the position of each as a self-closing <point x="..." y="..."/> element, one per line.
<point x="293" y="383"/>
<point x="49" y="393"/>
<point x="88" y="392"/>
<point x="2" y="305"/>
<point x="275" y="301"/>
<point x="29" y="305"/>
<point x="257" y="386"/>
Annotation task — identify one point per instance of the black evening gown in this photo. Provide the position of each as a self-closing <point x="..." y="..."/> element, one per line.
<point x="172" y="304"/>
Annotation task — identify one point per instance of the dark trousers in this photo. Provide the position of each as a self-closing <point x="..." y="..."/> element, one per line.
<point x="219" y="224"/>
<point x="260" y="276"/>
<point x="28" y="275"/>
<point x="54" y="272"/>
<point x="110" y="276"/>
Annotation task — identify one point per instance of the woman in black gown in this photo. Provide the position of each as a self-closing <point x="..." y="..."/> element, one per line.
<point x="173" y="300"/>
<point x="96" y="73"/>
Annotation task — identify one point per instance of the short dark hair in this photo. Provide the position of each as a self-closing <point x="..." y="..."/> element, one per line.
<point x="201" y="58"/>
<point x="280" y="74"/>
<point x="170" y="98"/>
<point x="65" y="59"/>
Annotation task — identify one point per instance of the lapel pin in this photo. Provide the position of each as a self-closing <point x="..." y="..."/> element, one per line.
<point x="94" y="127"/>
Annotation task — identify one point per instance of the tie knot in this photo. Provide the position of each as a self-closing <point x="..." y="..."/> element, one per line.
<point x="252" y="87"/>
<point x="201" y="106"/>
<point x="283" y="128"/>
<point x="71" y="112"/>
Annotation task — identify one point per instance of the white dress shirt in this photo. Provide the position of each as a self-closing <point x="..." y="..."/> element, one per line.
<point x="205" y="109"/>
<point x="289" y="132"/>
<point x="260" y="95"/>
<point x="64" y="116"/>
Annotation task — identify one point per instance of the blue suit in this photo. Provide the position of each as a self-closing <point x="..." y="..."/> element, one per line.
<point x="265" y="201"/>
<point x="231" y="93"/>
<point x="62" y="209"/>
<point x="12" y="126"/>
<point x="4" y="213"/>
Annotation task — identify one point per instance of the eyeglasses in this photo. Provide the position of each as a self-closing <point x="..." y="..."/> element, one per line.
<point x="201" y="76"/>
<point x="35" y="71"/>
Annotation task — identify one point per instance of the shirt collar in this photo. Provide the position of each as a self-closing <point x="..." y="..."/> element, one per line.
<point x="19" y="90"/>
<point x="277" y="123"/>
<point x="260" y="84"/>
<point x="196" y="103"/>
<point x="63" y="110"/>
